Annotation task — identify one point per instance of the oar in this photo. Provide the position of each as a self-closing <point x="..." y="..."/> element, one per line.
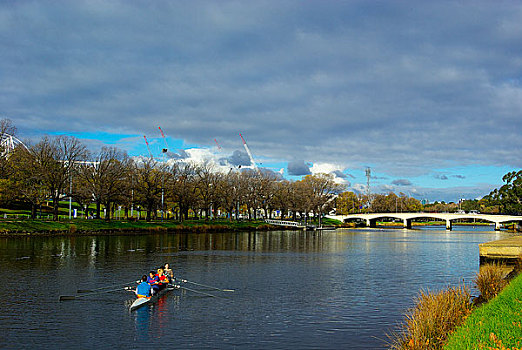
<point x="206" y="286"/>
<point x="72" y="297"/>
<point x="95" y="289"/>
<point x="197" y="291"/>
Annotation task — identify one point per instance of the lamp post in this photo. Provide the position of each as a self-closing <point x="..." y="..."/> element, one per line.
<point x="132" y="195"/>
<point x="164" y="151"/>
<point x="70" y="195"/>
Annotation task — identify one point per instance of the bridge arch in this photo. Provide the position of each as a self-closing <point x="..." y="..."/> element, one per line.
<point x="8" y="143"/>
<point x="448" y="218"/>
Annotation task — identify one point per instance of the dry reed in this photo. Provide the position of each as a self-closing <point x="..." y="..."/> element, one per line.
<point x="433" y="318"/>
<point x="490" y="281"/>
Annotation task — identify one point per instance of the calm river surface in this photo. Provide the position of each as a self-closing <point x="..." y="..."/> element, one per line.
<point x="293" y="290"/>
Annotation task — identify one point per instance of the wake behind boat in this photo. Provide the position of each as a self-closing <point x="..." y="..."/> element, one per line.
<point x="139" y="302"/>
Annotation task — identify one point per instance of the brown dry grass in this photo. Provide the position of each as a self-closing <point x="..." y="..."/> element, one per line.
<point x="433" y="318"/>
<point x="518" y="265"/>
<point x="490" y="281"/>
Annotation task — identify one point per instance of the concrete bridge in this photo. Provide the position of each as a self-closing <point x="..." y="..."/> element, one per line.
<point x="406" y="218"/>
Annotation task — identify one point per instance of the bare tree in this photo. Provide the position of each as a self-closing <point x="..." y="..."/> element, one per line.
<point x="183" y="187"/>
<point x="25" y="183"/>
<point x="320" y="190"/>
<point x="206" y="182"/>
<point x="150" y="176"/>
<point x="55" y="161"/>
<point x="105" y="175"/>
<point x="228" y="188"/>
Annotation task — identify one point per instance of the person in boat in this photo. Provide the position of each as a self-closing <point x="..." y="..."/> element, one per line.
<point x="168" y="271"/>
<point x="163" y="280"/>
<point x="153" y="281"/>
<point x="144" y="289"/>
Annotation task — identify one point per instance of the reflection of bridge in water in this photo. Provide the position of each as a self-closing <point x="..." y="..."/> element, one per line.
<point x="407" y="218"/>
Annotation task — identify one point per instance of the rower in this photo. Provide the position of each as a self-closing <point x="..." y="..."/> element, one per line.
<point x="153" y="281"/>
<point x="162" y="279"/>
<point x="168" y="271"/>
<point x="143" y="290"/>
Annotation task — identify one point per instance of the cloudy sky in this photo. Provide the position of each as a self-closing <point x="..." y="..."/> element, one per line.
<point x="427" y="94"/>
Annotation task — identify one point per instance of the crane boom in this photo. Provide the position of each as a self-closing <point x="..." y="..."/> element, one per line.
<point x="148" y="148"/>
<point x="248" y="152"/>
<point x="218" y="146"/>
<point x="164" y="150"/>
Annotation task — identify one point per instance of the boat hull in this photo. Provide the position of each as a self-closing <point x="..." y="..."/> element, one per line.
<point x="146" y="301"/>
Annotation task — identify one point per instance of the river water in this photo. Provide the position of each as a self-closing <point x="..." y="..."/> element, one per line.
<point x="347" y="288"/>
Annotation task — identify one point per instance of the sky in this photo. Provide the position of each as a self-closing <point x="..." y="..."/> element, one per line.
<point x="427" y="94"/>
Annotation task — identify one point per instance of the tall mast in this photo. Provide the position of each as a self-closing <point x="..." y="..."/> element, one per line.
<point x="368" y="175"/>
<point x="166" y="149"/>
<point x="148" y="148"/>
<point x="248" y="152"/>
<point x="217" y="144"/>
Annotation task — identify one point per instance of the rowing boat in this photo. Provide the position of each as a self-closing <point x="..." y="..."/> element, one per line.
<point x="145" y="301"/>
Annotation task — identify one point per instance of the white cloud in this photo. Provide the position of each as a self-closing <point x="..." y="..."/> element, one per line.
<point x="336" y="84"/>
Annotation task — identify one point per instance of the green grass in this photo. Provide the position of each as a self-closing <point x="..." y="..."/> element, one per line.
<point x="79" y="226"/>
<point x="494" y="325"/>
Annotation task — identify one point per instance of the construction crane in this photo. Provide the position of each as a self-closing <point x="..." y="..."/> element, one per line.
<point x="166" y="149"/>
<point x="217" y="144"/>
<point x="249" y="153"/>
<point x="148" y="148"/>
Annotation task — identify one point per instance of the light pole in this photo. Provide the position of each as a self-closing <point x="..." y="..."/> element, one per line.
<point x="132" y="195"/>
<point x="368" y="175"/>
<point x="70" y="195"/>
<point x="164" y="151"/>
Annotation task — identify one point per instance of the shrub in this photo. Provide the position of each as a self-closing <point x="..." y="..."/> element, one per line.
<point x="490" y="281"/>
<point x="518" y="265"/>
<point x="433" y="318"/>
<point x="72" y="229"/>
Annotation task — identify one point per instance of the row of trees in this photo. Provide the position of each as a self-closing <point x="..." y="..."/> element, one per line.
<point x="60" y="167"/>
<point x="352" y="203"/>
<point x="508" y="198"/>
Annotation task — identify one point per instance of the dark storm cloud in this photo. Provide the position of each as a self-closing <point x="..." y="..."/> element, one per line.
<point x="298" y="168"/>
<point x="339" y="174"/>
<point x="181" y="154"/>
<point x="445" y="177"/>
<point x="362" y="82"/>
<point x="270" y="172"/>
<point x="239" y="158"/>
<point x="401" y="182"/>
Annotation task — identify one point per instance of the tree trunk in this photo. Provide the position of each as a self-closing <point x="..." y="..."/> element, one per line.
<point x="149" y="211"/>
<point x="33" y="211"/>
<point x="108" y="211"/>
<point x="55" y="208"/>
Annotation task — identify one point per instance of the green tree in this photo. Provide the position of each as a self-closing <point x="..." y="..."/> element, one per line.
<point x="509" y="196"/>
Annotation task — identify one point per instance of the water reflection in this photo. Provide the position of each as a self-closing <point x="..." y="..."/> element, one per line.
<point x="96" y="249"/>
<point x="291" y="288"/>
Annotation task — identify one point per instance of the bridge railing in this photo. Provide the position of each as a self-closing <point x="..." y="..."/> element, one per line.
<point x="283" y="223"/>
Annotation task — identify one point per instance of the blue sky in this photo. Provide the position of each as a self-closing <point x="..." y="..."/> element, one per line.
<point x="427" y="94"/>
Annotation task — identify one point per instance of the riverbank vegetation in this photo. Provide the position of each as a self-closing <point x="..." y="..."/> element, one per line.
<point x="78" y="227"/>
<point x="434" y="316"/>
<point x="109" y="184"/>
<point x="496" y="325"/>
<point x="450" y="319"/>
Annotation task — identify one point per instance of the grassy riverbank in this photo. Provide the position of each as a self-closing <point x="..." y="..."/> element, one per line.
<point x="81" y="226"/>
<point x="495" y="325"/>
<point x="13" y="227"/>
